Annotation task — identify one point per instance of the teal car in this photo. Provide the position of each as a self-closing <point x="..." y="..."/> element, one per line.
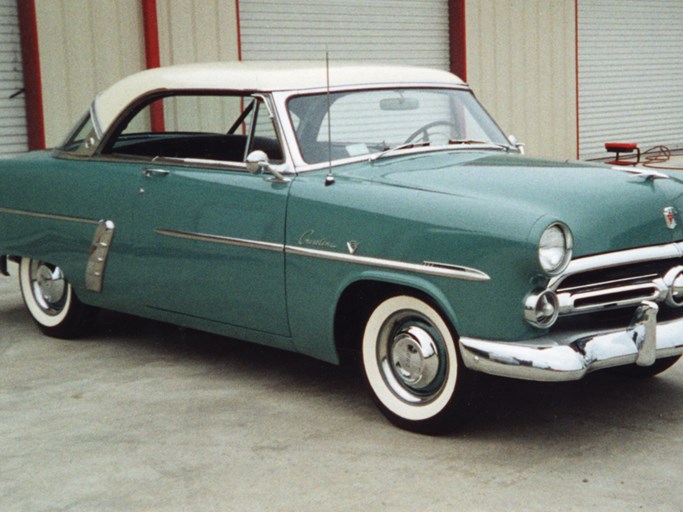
<point x="368" y="212"/>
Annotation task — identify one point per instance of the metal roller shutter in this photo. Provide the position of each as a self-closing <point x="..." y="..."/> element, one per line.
<point x="397" y="31"/>
<point x="13" y="138"/>
<point x="630" y="74"/>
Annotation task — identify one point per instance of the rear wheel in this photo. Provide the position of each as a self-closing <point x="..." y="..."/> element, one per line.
<point x="51" y="301"/>
<point x="412" y="366"/>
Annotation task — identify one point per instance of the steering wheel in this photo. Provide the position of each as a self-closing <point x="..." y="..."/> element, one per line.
<point x="424" y="130"/>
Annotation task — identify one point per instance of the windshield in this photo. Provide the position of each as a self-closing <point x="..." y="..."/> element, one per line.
<point x="376" y="121"/>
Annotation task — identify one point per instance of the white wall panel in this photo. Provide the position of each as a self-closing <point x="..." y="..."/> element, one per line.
<point x="398" y="31"/>
<point x="13" y="137"/>
<point x="630" y="73"/>
<point x="197" y="31"/>
<point x="521" y="64"/>
<point x="85" y="46"/>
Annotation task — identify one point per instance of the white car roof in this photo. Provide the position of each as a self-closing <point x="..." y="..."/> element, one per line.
<point x="258" y="77"/>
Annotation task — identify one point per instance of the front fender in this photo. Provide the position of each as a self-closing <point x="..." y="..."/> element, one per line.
<point x="411" y="281"/>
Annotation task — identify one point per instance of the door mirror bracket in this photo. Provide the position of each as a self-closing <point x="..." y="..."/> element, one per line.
<point x="258" y="163"/>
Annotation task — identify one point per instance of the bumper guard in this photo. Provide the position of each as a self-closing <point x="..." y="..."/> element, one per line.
<point x="571" y="355"/>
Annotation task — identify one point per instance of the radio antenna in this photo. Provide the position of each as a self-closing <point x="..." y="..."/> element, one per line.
<point x="329" y="180"/>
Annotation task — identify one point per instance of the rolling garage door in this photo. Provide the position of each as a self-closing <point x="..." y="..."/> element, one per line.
<point x="13" y="138"/>
<point x="630" y="74"/>
<point x="396" y="31"/>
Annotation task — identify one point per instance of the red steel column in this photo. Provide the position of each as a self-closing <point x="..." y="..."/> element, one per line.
<point x="576" y="78"/>
<point x="457" y="37"/>
<point x="152" y="57"/>
<point x="239" y="30"/>
<point x="30" y="56"/>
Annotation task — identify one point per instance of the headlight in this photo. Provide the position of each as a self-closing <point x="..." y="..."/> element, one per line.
<point x="555" y="248"/>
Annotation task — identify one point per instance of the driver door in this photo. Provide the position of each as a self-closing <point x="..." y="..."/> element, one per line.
<point x="210" y="236"/>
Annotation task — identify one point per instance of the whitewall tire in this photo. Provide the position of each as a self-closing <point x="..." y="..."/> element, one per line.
<point x="411" y="364"/>
<point x="51" y="301"/>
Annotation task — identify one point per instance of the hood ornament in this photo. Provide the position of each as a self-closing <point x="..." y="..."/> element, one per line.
<point x="647" y="174"/>
<point x="670" y="217"/>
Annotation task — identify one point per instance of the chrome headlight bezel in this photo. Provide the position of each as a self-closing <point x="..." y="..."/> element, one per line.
<point x="555" y="247"/>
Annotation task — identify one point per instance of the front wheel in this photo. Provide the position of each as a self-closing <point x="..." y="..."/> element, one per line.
<point x="412" y="366"/>
<point x="51" y="301"/>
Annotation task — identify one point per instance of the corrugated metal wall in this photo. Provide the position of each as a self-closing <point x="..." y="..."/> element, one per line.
<point x="521" y="63"/>
<point x="13" y="138"/>
<point x="84" y="47"/>
<point x="197" y="31"/>
<point x="399" y="31"/>
<point x="630" y="73"/>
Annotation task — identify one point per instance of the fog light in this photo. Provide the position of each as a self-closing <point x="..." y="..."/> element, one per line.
<point x="541" y="308"/>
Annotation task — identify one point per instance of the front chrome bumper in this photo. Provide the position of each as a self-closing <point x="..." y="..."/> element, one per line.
<point x="572" y="355"/>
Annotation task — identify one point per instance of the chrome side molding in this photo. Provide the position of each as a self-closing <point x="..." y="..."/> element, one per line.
<point x="220" y="239"/>
<point x="97" y="257"/>
<point x="48" y="216"/>
<point x="427" y="267"/>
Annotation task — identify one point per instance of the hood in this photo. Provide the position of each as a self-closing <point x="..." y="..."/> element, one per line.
<point x="607" y="209"/>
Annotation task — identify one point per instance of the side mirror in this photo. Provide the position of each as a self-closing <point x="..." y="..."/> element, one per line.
<point x="258" y="163"/>
<point x="517" y="144"/>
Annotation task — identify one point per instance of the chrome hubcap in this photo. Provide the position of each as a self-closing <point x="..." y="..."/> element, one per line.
<point x="49" y="287"/>
<point x="415" y="357"/>
<point x="411" y="357"/>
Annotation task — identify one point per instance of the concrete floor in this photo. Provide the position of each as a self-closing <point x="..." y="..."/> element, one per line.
<point x="141" y="416"/>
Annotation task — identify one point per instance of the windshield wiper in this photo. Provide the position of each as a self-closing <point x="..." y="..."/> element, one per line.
<point x="407" y="145"/>
<point x="475" y="141"/>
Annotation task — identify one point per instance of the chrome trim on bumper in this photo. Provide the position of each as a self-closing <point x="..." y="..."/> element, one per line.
<point x="572" y="355"/>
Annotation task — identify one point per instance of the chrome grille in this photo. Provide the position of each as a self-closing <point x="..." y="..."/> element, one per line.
<point x="619" y="280"/>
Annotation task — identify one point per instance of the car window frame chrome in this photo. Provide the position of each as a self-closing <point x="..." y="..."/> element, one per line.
<point x="91" y="141"/>
<point x="95" y="153"/>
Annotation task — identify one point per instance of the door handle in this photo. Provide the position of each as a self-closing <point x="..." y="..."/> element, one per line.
<point x="151" y="173"/>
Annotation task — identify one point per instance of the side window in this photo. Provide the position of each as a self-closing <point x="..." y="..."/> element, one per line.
<point x="264" y="135"/>
<point x="81" y="137"/>
<point x="204" y="127"/>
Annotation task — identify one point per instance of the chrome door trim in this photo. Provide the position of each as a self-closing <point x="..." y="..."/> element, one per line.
<point x="49" y="216"/>
<point x="219" y="239"/>
<point x="150" y="172"/>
